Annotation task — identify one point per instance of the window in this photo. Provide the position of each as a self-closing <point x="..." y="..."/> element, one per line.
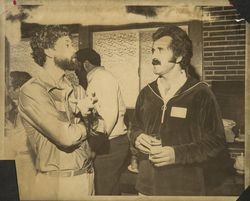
<point x="127" y="54"/>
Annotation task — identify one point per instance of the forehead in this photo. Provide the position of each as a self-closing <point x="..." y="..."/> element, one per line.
<point x="63" y="40"/>
<point x="163" y="42"/>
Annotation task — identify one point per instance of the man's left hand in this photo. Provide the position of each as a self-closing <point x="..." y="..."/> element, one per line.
<point x="162" y="156"/>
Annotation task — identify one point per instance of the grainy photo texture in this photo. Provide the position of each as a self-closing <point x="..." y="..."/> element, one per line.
<point x="113" y="99"/>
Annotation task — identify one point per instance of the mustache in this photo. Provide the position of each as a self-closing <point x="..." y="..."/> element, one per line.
<point x="156" y="62"/>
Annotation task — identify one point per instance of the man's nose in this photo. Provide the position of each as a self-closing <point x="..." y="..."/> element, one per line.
<point x="155" y="54"/>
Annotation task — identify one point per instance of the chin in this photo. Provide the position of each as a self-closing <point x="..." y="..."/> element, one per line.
<point x="156" y="72"/>
<point x="65" y="64"/>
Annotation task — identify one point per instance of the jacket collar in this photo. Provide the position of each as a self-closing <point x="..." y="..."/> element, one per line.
<point x="190" y="82"/>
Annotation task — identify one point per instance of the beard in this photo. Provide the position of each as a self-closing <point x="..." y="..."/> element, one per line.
<point x="65" y="64"/>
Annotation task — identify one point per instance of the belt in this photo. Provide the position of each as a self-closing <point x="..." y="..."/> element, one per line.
<point x="69" y="173"/>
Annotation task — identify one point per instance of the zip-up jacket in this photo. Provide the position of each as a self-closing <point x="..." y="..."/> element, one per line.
<point x="191" y="123"/>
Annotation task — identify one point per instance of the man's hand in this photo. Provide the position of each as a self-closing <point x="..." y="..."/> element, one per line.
<point x="161" y="156"/>
<point x="84" y="103"/>
<point x="78" y="94"/>
<point x="142" y="143"/>
<point x="85" y="106"/>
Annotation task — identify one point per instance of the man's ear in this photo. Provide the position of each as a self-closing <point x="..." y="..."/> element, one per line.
<point x="179" y="59"/>
<point x="49" y="52"/>
<point x="87" y="66"/>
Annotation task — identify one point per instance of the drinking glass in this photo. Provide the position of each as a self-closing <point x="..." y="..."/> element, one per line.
<point x="155" y="143"/>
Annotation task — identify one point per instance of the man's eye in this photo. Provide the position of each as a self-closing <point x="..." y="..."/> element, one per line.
<point x="67" y="45"/>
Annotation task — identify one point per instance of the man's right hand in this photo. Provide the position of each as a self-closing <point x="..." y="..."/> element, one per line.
<point x="143" y="143"/>
<point x="85" y="104"/>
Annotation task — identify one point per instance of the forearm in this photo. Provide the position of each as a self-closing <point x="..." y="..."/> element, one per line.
<point x="208" y="137"/>
<point x="52" y="126"/>
<point x="74" y="134"/>
<point x="199" y="151"/>
<point x="109" y="122"/>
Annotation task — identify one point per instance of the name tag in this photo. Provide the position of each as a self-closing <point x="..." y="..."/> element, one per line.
<point x="179" y="112"/>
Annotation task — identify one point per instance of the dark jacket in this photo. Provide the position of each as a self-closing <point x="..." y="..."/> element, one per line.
<point x="193" y="127"/>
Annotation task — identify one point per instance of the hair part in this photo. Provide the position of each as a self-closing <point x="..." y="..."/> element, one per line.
<point x="46" y="38"/>
<point x="181" y="45"/>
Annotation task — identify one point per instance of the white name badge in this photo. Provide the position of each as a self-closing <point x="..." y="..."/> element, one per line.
<point x="179" y="112"/>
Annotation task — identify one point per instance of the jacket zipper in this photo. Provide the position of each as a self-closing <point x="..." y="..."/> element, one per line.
<point x="164" y="108"/>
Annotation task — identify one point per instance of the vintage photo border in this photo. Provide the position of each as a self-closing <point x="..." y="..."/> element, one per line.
<point x="133" y="2"/>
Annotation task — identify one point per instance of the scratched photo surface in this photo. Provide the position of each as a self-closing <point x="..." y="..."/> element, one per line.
<point x="121" y="33"/>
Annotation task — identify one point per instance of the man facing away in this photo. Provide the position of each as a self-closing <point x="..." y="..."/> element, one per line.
<point x="177" y="125"/>
<point x="109" y="161"/>
<point x="57" y="137"/>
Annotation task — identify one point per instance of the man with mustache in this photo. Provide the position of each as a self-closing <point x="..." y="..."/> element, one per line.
<point x="177" y="125"/>
<point x="57" y="136"/>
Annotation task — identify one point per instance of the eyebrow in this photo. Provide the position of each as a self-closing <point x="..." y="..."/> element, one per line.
<point x="159" y="48"/>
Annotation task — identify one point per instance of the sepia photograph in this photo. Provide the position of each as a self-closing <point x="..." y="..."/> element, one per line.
<point x="125" y="100"/>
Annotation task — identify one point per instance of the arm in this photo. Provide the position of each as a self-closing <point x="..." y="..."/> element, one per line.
<point x="37" y="108"/>
<point x="106" y="88"/>
<point x="211" y="139"/>
<point x="137" y="125"/>
<point x="138" y="138"/>
<point x="206" y="144"/>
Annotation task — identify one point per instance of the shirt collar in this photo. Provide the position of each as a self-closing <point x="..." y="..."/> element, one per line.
<point x="90" y="75"/>
<point x="51" y="83"/>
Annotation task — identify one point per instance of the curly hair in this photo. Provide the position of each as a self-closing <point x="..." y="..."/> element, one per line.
<point x="46" y="38"/>
<point x="180" y="44"/>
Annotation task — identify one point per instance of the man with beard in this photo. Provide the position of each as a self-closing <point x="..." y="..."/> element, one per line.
<point x="177" y="126"/>
<point x="56" y="134"/>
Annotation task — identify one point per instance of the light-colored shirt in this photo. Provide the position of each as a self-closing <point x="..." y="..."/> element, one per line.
<point x="110" y="102"/>
<point x="57" y="141"/>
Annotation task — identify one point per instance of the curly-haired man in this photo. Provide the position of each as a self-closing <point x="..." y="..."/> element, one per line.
<point x="177" y="128"/>
<point x="56" y="135"/>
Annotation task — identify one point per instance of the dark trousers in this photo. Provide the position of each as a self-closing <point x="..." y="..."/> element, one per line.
<point x="108" y="167"/>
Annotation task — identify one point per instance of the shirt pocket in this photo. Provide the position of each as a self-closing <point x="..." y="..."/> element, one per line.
<point x="60" y="106"/>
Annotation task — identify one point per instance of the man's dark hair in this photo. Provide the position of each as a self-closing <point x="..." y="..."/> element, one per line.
<point x="88" y="54"/>
<point x="46" y="38"/>
<point x="83" y="55"/>
<point x="181" y="43"/>
<point x="19" y="78"/>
